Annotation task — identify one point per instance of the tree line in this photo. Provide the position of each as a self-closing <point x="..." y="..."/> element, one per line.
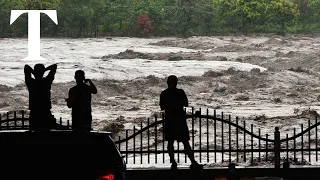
<point x="93" y="18"/>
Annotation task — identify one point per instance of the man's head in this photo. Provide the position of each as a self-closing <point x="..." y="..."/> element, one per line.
<point x="172" y="81"/>
<point x="79" y="76"/>
<point x="39" y="70"/>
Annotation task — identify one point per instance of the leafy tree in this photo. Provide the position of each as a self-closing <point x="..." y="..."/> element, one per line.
<point x="282" y="12"/>
<point x="83" y="18"/>
<point x="5" y="10"/>
<point x="144" y="24"/>
<point x="313" y="7"/>
<point x="243" y="14"/>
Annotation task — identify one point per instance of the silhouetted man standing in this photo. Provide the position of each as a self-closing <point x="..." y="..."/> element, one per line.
<point x="172" y="101"/>
<point x="40" y="96"/>
<point x="80" y="101"/>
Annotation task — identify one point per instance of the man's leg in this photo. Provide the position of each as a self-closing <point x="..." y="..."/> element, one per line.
<point x="188" y="151"/>
<point x="171" y="154"/>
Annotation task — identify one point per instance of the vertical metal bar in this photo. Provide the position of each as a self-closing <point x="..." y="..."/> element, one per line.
<point x="60" y="122"/>
<point x="141" y="146"/>
<point x="251" y="144"/>
<point x="192" y="128"/>
<point x="68" y="123"/>
<point x="244" y="142"/>
<point x="230" y="138"/>
<point x="22" y="119"/>
<point x="15" y="119"/>
<point x="277" y="148"/>
<point x="163" y="139"/>
<point x="294" y="144"/>
<point x="309" y="140"/>
<point x="127" y="146"/>
<point x="8" y="120"/>
<point x="185" y="155"/>
<point x="156" y="139"/>
<point x="1" y="121"/>
<point x="207" y="135"/>
<point x="148" y="131"/>
<point x="200" y="146"/>
<point x="178" y="144"/>
<point x="259" y="158"/>
<point x="134" y="145"/>
<point x="287" y="136"/>
<point x="237" y="137"/>
<point x="301" y="143"/>
<point x="215" y="135"/>
<point x="267" y="136"/>
<point x="316" y="138"/>
<point x="222" y="138"/>
<point x="119" y="145"/>
<point x="185" y="158"/>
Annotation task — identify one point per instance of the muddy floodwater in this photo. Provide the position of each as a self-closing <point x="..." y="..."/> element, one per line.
<point x="262" y="79"/>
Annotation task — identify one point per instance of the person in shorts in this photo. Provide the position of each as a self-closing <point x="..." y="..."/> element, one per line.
<point x="173" y="101"/>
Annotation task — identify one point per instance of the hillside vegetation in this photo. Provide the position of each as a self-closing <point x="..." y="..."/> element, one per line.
<point x="81" y="18"/>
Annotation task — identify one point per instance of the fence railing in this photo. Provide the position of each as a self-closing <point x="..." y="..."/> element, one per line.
<point x="20" y="120"/>
<point x="213" y="138"/>
<point x="218" y="139"/>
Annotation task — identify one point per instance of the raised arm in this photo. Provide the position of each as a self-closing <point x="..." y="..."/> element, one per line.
<point x="92" y="86"/>
<point x="27" y="73"/>
<point x="53" y="69"/>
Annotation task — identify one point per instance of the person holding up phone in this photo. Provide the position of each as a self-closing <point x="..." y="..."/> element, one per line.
<point x="79" y="101"/>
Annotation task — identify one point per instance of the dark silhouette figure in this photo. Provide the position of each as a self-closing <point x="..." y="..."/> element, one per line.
<point x="39" y="89"/>
<point x="172" y="101"/>
<point x="80" y="101"/>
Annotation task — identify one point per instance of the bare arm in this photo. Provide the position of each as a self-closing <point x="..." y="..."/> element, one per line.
<point x="92" y="86"/>
<point x="53" y="69"/>
<point x="27" y="73"/>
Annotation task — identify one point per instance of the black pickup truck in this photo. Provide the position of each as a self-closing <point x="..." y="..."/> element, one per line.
<point x="59" y="154"/>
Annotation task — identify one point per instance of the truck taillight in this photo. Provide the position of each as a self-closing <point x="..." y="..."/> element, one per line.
<point x="109" y="175"/>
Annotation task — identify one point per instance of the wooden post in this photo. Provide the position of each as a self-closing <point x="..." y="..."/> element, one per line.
<point x="277" y="148"/>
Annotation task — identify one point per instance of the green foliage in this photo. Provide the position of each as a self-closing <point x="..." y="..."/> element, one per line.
<point x="38" y="4"/>
<point x="83" y="18"/>
<point x="281" y="13"/>
<point x="254" y="14"/>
